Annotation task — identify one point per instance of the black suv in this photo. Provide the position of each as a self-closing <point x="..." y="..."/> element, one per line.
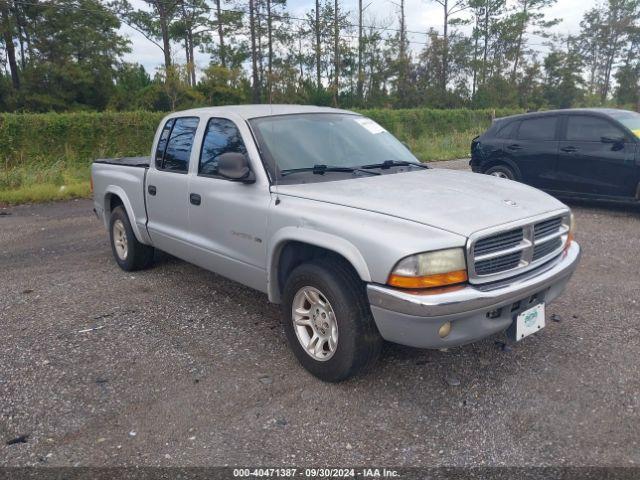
<point x="580" y="153"/>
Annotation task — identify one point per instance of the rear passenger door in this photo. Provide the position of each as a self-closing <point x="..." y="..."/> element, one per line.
<point x="167" y="185"/>
<point x="534" y="149"/>
<point x="596" y="158"/>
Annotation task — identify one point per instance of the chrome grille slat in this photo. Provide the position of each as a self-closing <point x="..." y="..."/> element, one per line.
<point x="503" y="253"/>
<point x="500" y="264"/>
<point x="498" y="242"/>
<point x="544" y="249"/>
<point x="547" y="227"/>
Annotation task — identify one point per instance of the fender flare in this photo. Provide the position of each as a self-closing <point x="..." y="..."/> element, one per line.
<point x="142" y="237"/>
<point x="316" y="238"/>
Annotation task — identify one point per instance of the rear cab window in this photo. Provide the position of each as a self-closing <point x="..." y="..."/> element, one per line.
<point x="538" y="129"/>
<point x="175" y="144"/>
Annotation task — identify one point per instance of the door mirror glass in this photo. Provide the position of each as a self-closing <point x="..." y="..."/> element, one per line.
<point x="235" y="166"/>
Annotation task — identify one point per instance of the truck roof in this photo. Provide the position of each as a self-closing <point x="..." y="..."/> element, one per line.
<point x="253" y="111"/>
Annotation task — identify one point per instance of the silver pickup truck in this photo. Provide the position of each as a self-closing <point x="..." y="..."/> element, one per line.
<point x="336" y="221"/>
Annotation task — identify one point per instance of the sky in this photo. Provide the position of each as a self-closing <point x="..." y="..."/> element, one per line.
<point x="420" y="14"/>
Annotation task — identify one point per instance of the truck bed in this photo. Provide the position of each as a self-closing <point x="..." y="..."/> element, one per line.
<point x="142" y="162"/>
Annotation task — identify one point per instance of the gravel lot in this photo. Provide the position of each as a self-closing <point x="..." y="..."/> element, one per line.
<point x="178" y="366"/>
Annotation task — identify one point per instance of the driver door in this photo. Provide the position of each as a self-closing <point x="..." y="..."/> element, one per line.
<point x="596" y="157"/>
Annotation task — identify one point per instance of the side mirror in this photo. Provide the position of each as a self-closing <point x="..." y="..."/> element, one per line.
<point x="235" y="166"/>
<point x="612" y="139"/>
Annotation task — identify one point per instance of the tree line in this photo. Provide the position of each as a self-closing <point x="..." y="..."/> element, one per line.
<point x="67" y="55"/>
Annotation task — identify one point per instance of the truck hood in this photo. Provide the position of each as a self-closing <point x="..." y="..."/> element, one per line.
<point x="459" y="202"/>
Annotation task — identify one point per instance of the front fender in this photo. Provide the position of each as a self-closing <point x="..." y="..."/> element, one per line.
<point x="317" y="238"/>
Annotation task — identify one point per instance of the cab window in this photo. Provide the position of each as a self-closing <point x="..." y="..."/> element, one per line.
<point x="178" y="149"/>
<point x="584" y="128"/>
<point x="162" y="142"/>
<point x="221" y="136"/>
<point x="542" y="128"/>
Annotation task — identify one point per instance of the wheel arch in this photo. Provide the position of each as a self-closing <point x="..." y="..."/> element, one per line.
<point x="503" y="161"/>
<point x="292" y="246"/>
<point x="115" y="196"/>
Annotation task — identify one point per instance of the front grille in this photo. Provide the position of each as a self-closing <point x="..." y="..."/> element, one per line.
<point x="546" y="248"/>
<point x="498" y="264"/>
<point x="518" y="249"/>
<point x="546" y="228"/>
<point x="499" y="242"/>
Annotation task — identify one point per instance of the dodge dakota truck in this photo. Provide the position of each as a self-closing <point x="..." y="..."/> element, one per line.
<point x="335" y="220"/>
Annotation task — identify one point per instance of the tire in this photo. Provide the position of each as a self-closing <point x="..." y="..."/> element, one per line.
<point x="357" y="342"/>
<point x="502" y="171"/>
<point x="129" y="253"/>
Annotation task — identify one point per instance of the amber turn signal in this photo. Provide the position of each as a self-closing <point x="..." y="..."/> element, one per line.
<point x="428" y="281"/>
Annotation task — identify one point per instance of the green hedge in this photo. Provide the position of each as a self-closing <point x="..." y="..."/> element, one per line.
<point x="415" y="123"/>
<point x="82" y="137"/>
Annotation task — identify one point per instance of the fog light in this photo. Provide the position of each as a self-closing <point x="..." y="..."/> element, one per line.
<point x="444" y="330"/>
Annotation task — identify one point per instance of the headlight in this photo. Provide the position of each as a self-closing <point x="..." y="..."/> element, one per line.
<point x="430" y="269"/>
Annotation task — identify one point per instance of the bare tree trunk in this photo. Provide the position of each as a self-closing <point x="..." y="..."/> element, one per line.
<point x="360" y="83"/>
<point x="475" y="59"/>
<point x="270" y="54"/>
<point x="223" y="54"/>
<point x="164" y="29"/>
<point x="402" y="54"/>
<point x="318" y="47"/>
<point x="336" y="55"/>
<point x="255" y="88"/>
<point x="193" y="58"/>
<point x="486" y="43"/>
<point x="188" y="57"/>
<point x="523" y="26"/>
<point x="7" y="34"/>
<point x="445" y="46"/>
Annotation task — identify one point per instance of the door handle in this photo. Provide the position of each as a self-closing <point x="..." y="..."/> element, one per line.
<point x="515" y="146"/>
<point x="195" y="199"/>
<point x="569" y="149"/>
<point x="151" y="189"/>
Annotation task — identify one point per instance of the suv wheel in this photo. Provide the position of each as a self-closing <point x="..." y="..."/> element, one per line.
<point x="328" y="322"/>
<point x="501" y="171"/>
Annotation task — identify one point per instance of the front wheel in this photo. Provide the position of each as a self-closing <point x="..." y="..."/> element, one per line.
<point x="328" y="322"/>
<point x="502" y="171"/>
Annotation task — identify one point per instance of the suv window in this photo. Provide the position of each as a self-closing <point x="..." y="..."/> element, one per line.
<point x="178" y="150"/>
<point x="221" y="136"/>
<point x="508" y="131"/>
<point x="591" y="129"/>
<point x="543" y="128"/>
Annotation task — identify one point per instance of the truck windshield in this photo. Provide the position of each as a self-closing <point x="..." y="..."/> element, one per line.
<point x="631" y="120"/>
<point x="304" y="141"/>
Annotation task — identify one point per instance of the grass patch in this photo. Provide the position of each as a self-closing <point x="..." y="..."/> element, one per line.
<point x="45" y="192"/>
<point x="433" y="148"/>
<point x="44" y="181"/>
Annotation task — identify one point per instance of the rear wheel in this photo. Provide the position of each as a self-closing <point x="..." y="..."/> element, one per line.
<point x="502" y="171"/>
<point x="129" y="253"/>
<point x="328" y="322"/>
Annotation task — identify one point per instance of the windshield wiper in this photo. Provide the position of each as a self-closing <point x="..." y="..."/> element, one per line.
<point x="322" y="169"/>
<point x="394" y="163"/>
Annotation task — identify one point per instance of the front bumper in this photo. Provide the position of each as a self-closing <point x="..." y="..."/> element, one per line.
<point x="475" y="311"/>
